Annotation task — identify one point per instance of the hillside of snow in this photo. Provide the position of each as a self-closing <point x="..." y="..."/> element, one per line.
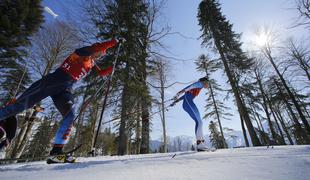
<point x="278" y="163"/>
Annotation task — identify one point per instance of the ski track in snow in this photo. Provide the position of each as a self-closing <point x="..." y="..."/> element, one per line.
<point x="279" y="163"/>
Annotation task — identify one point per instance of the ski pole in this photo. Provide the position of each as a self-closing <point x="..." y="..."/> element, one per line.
<point x="152" y="114"/>
<point x="105" y="101"/>
<point x="83" y="107"/>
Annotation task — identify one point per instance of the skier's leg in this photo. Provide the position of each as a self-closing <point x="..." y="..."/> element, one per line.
<point x="200" y="123"/>
<point x="32" y="95"/>
<point x="64" y="103"/>
<point x="51" y="84"/>
<point x="7" y="128"/>
<point x="191" y="109"/>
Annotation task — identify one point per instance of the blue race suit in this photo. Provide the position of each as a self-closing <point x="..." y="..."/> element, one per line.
<point x="58" y="86"/>
<point x="189" y="106"/>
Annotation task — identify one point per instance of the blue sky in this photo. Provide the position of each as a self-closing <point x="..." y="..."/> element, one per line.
<point x="181" y="16"/>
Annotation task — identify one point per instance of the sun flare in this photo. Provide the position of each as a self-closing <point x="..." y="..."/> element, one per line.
<point x="261" y="39"/>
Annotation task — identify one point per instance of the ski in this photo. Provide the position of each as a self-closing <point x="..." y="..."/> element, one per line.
<point x="65" y="157"/>
<point x="209" y="150"/>
<point x="21" y="160"/>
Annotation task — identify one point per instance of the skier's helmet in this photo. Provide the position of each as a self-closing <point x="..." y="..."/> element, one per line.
<point x="204" y="79"/>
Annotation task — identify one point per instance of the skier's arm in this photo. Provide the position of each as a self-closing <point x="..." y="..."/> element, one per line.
<point x="103" y="72"/>
<point x="176" y="100"/>
<point x="98" y="47"/>
<point x="192" y="86"/>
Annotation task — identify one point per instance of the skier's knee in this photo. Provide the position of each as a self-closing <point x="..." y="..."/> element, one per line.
<point x="66" y="108"/>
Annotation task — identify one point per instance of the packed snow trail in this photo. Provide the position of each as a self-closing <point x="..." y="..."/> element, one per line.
<point x="279" y="163"/>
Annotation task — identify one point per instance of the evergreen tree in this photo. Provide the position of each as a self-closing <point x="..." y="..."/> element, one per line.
<point x="128" y="19"/>
<point x="214" y="107"/>
<point x="18" y="21"/>
<point x="215" y="136"/>
<point x="217" y="32"/>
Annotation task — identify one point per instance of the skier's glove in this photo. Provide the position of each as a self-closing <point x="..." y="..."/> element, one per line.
<point x="175" y="98"/>
<point x="179" y="93"/>
<point x="172" y="104"/>
<point x="121" y="40"/>
<point x="106" y="71"/>
<point x="12" y="101"/>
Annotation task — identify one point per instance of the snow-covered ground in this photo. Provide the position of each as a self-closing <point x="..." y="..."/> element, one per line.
<point x="284" y="162"/>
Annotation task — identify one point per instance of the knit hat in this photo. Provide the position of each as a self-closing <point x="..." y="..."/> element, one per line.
<point x="204" y="79"/>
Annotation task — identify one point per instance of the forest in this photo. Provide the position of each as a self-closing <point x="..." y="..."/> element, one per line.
<point x="269" y="87"/>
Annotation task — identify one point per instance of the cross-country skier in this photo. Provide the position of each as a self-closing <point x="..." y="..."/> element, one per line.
<point x="58" y="85"/>
<point x="190" y="92"/>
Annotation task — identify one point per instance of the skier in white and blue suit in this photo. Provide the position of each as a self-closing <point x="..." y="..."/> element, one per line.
<point x="190" y="92"/>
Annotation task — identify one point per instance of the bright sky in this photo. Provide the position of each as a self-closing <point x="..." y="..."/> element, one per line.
<point x="181" y="15"/>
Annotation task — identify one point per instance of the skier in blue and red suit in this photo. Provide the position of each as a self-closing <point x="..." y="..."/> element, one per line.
<point x="58" y="85"/>
<point x="190" y="92"/>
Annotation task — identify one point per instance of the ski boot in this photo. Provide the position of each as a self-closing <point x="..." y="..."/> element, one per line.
<point x="58" y="156"/>
<point x="2" y="134"/>
<point x="201" y="146"/>
<point x="3" y="142"/>
<point x="7" y="130"/>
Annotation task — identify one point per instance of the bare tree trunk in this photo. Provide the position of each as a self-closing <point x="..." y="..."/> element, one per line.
<point x="145" y="139"/>
<point x="162" y="80"/>
<point x="138" y="137"/>
<point x="217" y="115"/>
<point x="278" y="114"/>
<point x="265" y="140"/>
<point x="123" y="134"/>
<point x="163" y="117"/>
<point x="297" y="124"/>
<point x="244" y="132"/>
<point x="265" y="107"/>
<point x="282" y="140"/>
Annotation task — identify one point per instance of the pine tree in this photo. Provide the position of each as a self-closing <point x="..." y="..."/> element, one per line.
<point x="129" y="20"/>
<point x="18" y="21"/>
<point x="217" y="32"/>
<point x="214" y="108"/>
<point x="215" y="136"/>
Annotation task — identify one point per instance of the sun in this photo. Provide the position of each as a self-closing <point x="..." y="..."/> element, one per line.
<point x="261" y="39"/>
